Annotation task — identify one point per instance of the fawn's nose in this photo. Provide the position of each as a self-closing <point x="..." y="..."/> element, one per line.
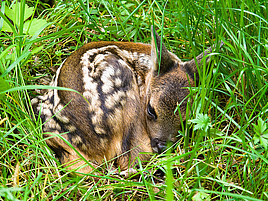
<point x="157" y="145"/>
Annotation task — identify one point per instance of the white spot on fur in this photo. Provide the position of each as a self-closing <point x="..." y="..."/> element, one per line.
<point x="141" y="55"/>
<point x="131" y="94"/>
<point x="85" y="59"/>
<point x="71" y="128"/>
<point x="99" y="130"/>
<point x="89" y="84"/>
<point x="97" y="64"/>
<point x="99" y="58"/>
<point x="87" y="94"/>
<point x="34" y="101"/>
<point x="47" y="112"/>
<point x="77" y="139"/>
<point x="114" y="99"/>
<point x="139" y="81"/>
<point x="126" y="54"/>
<point x="107" y="87"/>
<point x="96" y="118"/>
<point x="58" y="113"/>
<point x="51" y="124"/>
<point x="123" y="63"/>
<point x="84" y="147"/>
<point x="118" y="82"/>
<point x="118" y="72"/>
<point x="62" y="118"/>
<point x="55" y="83"/>
<point x="42" y="98"/>
<point x="135" y="55"/>
<point x="107" y="80"/>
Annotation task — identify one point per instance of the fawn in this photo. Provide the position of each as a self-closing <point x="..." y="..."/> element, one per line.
<point x="127" y="96"/>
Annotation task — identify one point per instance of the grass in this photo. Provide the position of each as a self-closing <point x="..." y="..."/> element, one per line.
<point x="222" y="153"/>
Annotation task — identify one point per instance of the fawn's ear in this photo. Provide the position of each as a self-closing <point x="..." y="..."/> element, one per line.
<point x="190" y="67"/>
<point x="160" y="55"/>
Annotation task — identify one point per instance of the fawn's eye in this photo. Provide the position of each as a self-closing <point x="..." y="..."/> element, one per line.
<point x="151" y="112"/>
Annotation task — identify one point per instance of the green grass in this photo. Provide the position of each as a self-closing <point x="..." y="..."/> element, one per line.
<point x="222" y="153"/>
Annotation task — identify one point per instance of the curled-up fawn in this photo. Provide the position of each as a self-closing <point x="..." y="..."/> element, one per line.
<point x="127" y="96"/>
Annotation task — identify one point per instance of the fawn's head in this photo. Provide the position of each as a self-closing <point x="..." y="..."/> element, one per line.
<point x="166" y="88"/>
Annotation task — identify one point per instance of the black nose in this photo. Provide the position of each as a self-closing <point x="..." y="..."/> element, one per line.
<point x="158" y="145"/>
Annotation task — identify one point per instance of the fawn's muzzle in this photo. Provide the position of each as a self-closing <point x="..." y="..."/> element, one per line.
<point x="158" y="146"/>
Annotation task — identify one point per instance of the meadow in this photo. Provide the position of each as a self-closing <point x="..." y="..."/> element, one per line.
<point x="222" y="151"/>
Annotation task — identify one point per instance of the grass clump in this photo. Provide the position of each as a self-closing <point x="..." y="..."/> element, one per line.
<point x="222" y="151"/>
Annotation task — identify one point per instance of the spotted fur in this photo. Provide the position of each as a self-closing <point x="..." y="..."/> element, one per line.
<point x="124" y="105"/>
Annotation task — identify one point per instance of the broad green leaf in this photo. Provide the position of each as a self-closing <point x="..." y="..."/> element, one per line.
<point x="201" y="122"/>
<point x="265" y="135"/>
<point x="261" y="133"/>
<point x="262" y="125"/>
<point x="10" y="14"/>
<point x="3" y="87"/>
<point x="6" y="27"/>
<point x="28" y="12"/>
<point x="33" y="26"/>
<point x="256" y="139"/>
<point x="264" y="142"/>
<point x="14" y="13"/>
<point x="7" y="19"/>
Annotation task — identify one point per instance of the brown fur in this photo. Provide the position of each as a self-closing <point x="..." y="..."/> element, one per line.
<point x="129" y="106"/>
